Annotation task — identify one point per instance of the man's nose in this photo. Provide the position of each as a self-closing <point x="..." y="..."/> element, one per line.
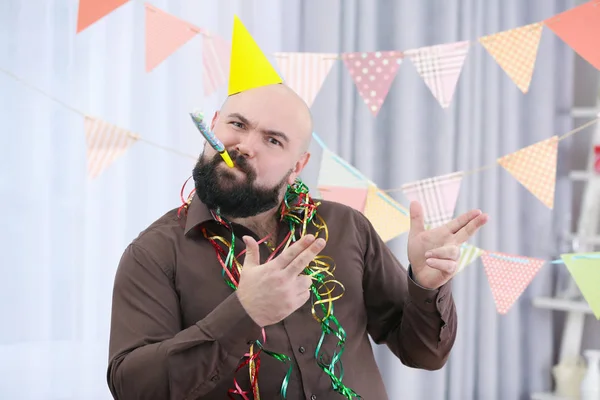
<point x="247" y="145"/>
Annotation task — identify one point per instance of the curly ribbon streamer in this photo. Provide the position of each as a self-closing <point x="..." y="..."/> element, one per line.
<point x="299" y="211"/>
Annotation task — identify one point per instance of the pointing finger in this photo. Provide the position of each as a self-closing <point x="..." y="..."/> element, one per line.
<point x="462" y="220"/>
<point x="417" y="220"/>
<point x="293" y="251"/>
<point x="299" y="263"/>
<point x="470" y="229"/>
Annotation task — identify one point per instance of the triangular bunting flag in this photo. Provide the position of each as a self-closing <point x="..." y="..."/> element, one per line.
<point x="216" y="53"/>
<point x="386" y="215"/>
<point x="105" y="143"/>
<point x="437" y="196"/>
<point x="585" y="270"/>
<point x="509" y="276"/>
<point x="579" y="27"/>
<point x="334" y="171"/>
<point x="305" y="72"/>
<point x="373" y="74"/>
<point x="91" y="11"/>
<point x="468" y="254"/>
<point x="352" y="197"/>
<point x="165" y="33"/>
<point x="535" y="168"/>
<point x="440" y="67"/>
<point x="515" y="51"/>
<point x="249" y="67"/>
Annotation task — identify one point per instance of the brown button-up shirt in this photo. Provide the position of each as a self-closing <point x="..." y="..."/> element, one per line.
<point x="178" y="331"/>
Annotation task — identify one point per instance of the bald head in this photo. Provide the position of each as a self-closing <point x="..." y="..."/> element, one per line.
<point x="275" y="107"/>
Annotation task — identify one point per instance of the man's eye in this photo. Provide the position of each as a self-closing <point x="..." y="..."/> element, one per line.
<point x="237" y="124"/>
<point x="274" y="141"/>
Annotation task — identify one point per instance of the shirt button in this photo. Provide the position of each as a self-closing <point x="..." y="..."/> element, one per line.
<point x="313" y="397"/>
<point x="302" y="350"/>
<point x="215" y="378"/>
<point x="428" y="301"/>
<point x="441" y="299"/>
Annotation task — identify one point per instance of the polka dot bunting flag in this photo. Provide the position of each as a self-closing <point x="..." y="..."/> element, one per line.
<point x="509" y="276"/>
<point x="373" y="74"/>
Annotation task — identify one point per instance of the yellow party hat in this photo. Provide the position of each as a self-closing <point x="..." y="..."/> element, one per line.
<point x="249" y="67"/>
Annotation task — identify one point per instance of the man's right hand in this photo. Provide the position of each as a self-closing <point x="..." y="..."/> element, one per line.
<point x="272" y="291"/>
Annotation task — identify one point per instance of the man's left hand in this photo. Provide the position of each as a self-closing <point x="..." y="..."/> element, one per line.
<point x="433" y="254"/>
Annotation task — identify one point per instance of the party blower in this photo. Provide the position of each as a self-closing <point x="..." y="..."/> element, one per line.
<point x="210" y="137"/>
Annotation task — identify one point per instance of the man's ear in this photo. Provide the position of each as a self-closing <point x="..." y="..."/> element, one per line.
<point x="214" y="121"/>
<point x="300" y="164"/>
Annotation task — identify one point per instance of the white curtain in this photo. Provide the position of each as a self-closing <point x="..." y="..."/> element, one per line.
<point x="63" y="234"/>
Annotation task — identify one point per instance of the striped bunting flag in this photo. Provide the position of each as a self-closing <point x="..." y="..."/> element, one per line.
<point x="468" y="254"/>
<point x="165" y="33"/>
<point x="437" y="196"/>
<point x="105" y="143"/>
<point x="440" y="67"/>
<point x="305" y="72"/>
<point x="216" y="53"/>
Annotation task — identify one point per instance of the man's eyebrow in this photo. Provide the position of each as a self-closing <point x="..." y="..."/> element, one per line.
<point x="269" y="132"/>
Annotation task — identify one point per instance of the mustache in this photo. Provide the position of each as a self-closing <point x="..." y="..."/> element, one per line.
<point x="239" y="160"/>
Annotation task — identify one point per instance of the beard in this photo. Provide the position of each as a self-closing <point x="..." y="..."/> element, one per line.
<point x="234" y="196"/>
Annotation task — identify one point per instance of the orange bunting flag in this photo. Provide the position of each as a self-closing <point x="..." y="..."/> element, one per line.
<point x="386" y="215"/>
<point x="305" y="72"/>
<point x="105" y="143"/>
<point x="165" y="34"/>
<point x="535" y="168"/>
<point x="440" y="67"/>
<point x="579" y="27"/>
<point x="352" y="197"/>
<point x="373" y="74"/>
<point x="216" y="53"/>
<point x="509" y="276"/>
<point x="91" y="11"/>
<point x="516" y="51"/>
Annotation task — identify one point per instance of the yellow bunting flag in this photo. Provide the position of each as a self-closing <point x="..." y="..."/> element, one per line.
<point x="386" y="215"/>
<point x="515" y="51"/>
<point x="535" y="168"/>
<point x="165" y="33"/>
<point x="91" y="11"/>
<point x="334" y="171"/>
<point x="509" y="276"/>
<point x="249" y="67"/>
<point x="105" y="143"/>
<point x="305" y="72"/>
<point x="585" y="270"/>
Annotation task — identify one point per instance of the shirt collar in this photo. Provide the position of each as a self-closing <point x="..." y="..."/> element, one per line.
<point x="197" y="214"/>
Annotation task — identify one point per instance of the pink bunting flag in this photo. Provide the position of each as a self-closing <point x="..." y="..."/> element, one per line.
<point x="305" y="72"/>
<point x="373" y="74"/>
<point x="440" y="67"/>
<point x="91" y="11"/>
<point x="352" y="197"/>
<point x="509" y="276"/>
<point x="216" y="54"/>
<point x="165" y="34"/>
<point x="105" y="143"/>
<point x="437" y="196"/>
<point x="579" y="27"/>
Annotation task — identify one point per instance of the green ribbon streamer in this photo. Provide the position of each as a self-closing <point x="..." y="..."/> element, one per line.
<point x="299" y="221"/>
